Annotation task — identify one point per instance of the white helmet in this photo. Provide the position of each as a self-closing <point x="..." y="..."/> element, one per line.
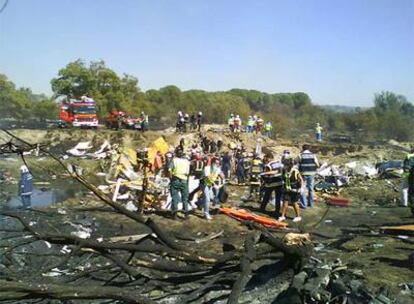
<point x="24" y="169"/>
<point x="231" y="115"/>
<point x="186" y="115"/>
<point x="200" y="113"/>
<point x="237" y="116"/>
<point x="180" y="113"/>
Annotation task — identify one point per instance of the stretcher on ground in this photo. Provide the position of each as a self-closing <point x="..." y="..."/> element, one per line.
<point x="244" y="215"/>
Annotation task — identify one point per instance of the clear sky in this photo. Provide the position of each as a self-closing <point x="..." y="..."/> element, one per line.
<point x="337" y="51"/>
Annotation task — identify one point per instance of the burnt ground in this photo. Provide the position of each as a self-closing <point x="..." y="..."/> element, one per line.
<point x="351" y="234"/>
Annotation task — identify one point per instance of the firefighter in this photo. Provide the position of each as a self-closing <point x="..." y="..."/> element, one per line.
<point x="272" y="178"/>
<point x="180" y="170"/>
<point x="25" y="186"/>
<point x="256" y="169"/>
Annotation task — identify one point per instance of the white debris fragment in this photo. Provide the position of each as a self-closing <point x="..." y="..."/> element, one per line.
<point x="81" y="234"/>
<point x="61" y="211"/>
<point x="65" y="249"/>
<point x="130" y="206"/>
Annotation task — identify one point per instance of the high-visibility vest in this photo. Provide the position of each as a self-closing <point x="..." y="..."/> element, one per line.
<point x="268" y="127"/>
<point x="318" y="129"/>
<point x="230" y="121"/>
<point x="181" y="168"/>
<point x="198" y="166"/>
<point x="256" y="167"/>
<point x="275" y="179"/>
<point x="292" y="182"/>
<point x="250" y="122"/>
<point x="211" y="175"/>
<point x="307" y="163"/>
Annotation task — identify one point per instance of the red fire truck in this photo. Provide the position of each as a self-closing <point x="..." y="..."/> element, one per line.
<point x="79" y="112"/>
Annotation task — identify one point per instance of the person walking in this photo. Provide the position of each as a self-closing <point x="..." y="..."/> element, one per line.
<point x="308" y="165"/>
<point x="292" y="186"/>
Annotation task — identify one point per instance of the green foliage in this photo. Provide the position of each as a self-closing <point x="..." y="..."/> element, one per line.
<point x="15" y="103"/>
<point x="290" y="113"/>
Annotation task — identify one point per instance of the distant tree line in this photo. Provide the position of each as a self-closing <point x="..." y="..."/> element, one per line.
<point x="392" y="115"/>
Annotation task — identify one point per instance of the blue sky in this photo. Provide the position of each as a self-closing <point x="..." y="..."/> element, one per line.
<point x="337" y="51"/>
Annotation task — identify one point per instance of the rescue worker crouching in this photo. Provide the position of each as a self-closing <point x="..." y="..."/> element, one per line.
<point x="180" y="170"/>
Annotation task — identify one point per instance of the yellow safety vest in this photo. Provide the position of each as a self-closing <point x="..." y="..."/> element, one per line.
<point x="181" y="168"/>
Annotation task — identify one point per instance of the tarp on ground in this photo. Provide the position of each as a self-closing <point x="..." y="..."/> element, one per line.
<point x="158" y="145"/>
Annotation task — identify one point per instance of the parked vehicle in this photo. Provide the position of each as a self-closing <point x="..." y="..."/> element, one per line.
<point x="79" y="113"/>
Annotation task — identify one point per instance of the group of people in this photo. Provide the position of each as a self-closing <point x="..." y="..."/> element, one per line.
<point x="254" y="124"/>
<point x="186" y="122"/>
<point x="290" y="181"/>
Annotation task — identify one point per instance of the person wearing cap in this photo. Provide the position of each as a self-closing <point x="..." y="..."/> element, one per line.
<point x="180" y="170"/>
<point x="318" y="132"/>
<point x="292" y="188"/>
<point x="308" y="165"/>
<point x="25" y="186"/>
<point x="272" y="178"/>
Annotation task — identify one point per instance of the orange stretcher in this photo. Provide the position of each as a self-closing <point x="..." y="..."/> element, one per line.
<point x="244" y="215"/>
